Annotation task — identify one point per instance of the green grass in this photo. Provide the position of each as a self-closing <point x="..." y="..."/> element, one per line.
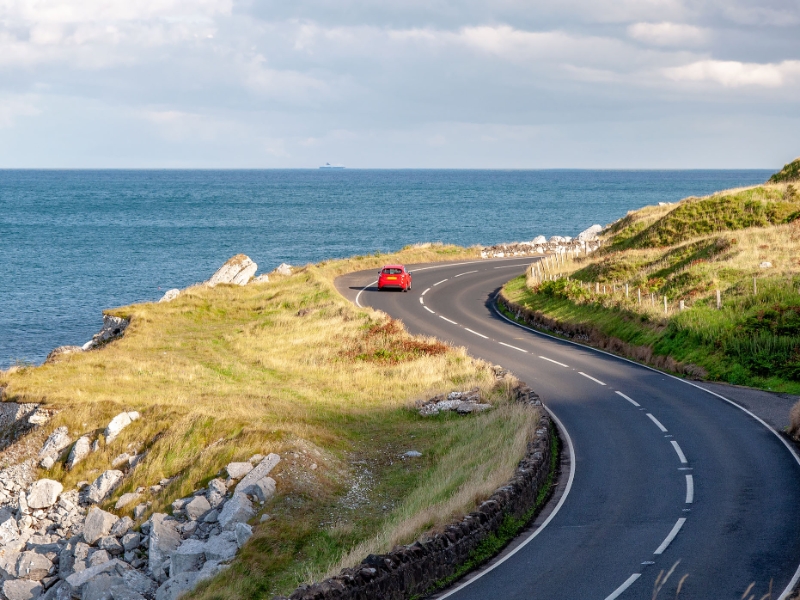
<point x="759" y="206"/>
<point x="753" y="340"/>
<point x="290" y="367"/>
<point x="789" y="172"/>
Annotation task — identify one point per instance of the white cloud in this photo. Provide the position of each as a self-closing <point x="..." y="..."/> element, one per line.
<point x="668" y="34"/>
<point x="731" y="73"/>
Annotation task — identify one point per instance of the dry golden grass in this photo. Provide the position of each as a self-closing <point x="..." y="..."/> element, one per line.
<point x="290" y="367"/>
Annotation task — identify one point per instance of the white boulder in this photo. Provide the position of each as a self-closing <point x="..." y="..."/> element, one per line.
<point x="238" y="509"/>
<point x="237" y="470"/>
<point x="98" y="524"/>
<point x="118" y="423"/>
<point x="237" y="270"/>
<point x="55" y="443"/>
<point x="283" y="269"/>
<point x="21" y="589"/>
<point x="44" y="493"/>
<point x="164" y="540"/>
<point x="79" y="451"/>
<point x="104" y="485"/>
<point x="589" y="234"/>
<point x="170" y="295"/>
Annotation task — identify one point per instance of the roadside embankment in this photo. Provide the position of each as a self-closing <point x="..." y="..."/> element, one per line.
<point x="215" y="377"/>
<point x="708" y="288"/>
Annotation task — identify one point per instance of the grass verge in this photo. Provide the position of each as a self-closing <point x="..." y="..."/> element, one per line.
<point x="290" y="367"/>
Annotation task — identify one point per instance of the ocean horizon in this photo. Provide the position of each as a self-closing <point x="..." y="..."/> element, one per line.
<point x="74" y="242"/>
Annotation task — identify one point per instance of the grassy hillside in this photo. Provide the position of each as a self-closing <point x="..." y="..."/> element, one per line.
<point x="290" y="367"/>
<point x="730" y="241"/>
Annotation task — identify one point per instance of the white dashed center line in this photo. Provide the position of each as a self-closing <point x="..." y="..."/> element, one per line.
<point x="476" y="333"/>
<point x="689" y="489"/>
<point x="513" y="347"/>
<point x="657" y="422"/>
<point x="437" y="283"/>
<point x="467" y="273"/>
<point x="428" y="309"/>
<point x="590" y="377"/>
<point x="628" y="582"/>
<point x="671" y="536"/>
<point x="426" y="291"/>
<point x="631" y="400"/>
<point x="679" y="452"/>
<point x="554" y="361"/>
<point x="448" y="320"/>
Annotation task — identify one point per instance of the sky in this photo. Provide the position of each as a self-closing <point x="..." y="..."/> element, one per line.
<point x="399" y="83"/>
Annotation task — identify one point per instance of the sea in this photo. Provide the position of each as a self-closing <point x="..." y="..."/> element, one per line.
<point x="74" y="242"/>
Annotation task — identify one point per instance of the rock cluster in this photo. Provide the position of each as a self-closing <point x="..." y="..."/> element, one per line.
<point x="57" y="545"/>
<point x="113" y="328"/>
<point x="586" y="242"/>
<point x="463" y="403"/>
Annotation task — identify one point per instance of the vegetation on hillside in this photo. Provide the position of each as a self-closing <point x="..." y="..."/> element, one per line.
<point x="743" y="243"/>
<point x="290" y="367"/>
<point x="789" y="172"/>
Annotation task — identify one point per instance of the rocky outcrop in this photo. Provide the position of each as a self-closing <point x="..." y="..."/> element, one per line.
<point x="237" y="270"/>
<point x="62" y="351"/>
<point x="113" y="327"/>
<point x="416" y="569"/>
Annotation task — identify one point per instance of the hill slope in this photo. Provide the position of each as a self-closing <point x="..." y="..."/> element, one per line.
<point x="743" y="243"/>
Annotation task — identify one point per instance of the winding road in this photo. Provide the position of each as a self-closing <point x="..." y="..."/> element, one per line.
<point x="661" y="471"/>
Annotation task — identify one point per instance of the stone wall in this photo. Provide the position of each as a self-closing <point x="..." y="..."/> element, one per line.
<point x="414" y="570"/>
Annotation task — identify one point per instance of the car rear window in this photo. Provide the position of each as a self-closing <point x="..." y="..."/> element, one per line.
<point x="392" y="271"/>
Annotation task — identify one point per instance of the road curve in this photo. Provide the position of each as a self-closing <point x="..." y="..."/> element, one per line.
<point x="664" y="471"/>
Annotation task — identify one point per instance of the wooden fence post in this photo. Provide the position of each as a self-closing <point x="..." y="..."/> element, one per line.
<point x="665" y="305"/>
<point x="719" y="300"/>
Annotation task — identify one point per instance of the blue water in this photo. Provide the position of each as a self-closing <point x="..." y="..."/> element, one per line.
<point x="75" y="242"/>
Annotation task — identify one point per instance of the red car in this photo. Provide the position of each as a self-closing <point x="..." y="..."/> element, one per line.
<point x="394" y="276"/>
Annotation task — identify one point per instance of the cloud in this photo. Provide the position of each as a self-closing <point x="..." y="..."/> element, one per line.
<point x="736" y="74"/>
<point x="668" y="34"/>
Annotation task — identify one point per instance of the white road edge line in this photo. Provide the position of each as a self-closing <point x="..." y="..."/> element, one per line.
<point x="668" y="540"/>
<point x="590" y="377"/>
<point x="428" y="309"/>
<point x="546" y="522"/>
<point x="508" y="267"/>
<point x="657" y="422"/>
<point x="361" y="291"/>
<point x="438" y="282"/>
<point x="678" y="451"/>
<point x="631" y="400"/>
<point x="628" y="582"/>
<point x="448" y="320"/>
<point x="425" y="292"/>
<point x="476" y="333"/>
<point x="796" y="577"/>
<point x="467" y="273"/>
<point x="421" y="301"/>
<point x="554" y="361"/>
<point x="514" y="347"/>
<point x="689" y="489"/>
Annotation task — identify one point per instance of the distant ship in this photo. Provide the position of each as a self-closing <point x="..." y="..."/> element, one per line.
<point x="328" y="165"/>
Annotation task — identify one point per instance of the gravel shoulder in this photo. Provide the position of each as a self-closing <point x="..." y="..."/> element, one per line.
<point x="773" y="407"/>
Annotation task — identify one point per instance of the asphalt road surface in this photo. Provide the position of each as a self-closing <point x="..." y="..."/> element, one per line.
<point x="664" y="472"/>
